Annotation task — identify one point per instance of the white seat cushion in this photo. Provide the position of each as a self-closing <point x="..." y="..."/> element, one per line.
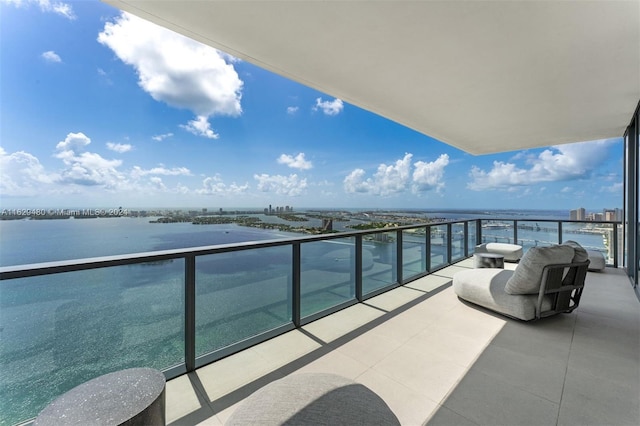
<point x="485" y="287"/>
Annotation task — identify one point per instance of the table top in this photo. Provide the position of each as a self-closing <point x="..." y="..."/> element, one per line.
<point x="112" y="398"/>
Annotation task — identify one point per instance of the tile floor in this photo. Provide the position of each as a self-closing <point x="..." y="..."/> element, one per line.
<point x="438" y="361"/>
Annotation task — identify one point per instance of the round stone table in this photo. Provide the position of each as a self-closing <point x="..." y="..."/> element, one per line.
<point x="135" y="396"/>
<point x="489" y="260"/>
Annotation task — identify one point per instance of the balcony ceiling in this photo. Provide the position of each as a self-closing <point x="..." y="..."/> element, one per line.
<point x="483" y="76"/>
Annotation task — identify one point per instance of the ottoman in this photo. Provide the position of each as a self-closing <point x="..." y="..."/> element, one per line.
<point x="313" y="399"/>
<point x="511" y="252"/>
<point x="596" y="259"/>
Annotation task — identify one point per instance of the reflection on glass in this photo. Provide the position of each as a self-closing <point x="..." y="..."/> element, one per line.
<point x="327" y="274"/>
<point x="538" y="234"/>
<point x="472" y="236"/>
<point x="414" y="252"/>
<point x="592" y="236"/>
<point x="497" y="231"/>
<point x="240" y="295"/>
<point x="58" y="331"/>
<point x="439" y="242"/>
<point x="457" y="241"/>
<point x="379" y="261"/>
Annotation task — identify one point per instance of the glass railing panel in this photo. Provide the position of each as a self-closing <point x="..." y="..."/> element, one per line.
<point x="537" y="234"/>
<point x="58" y="331"/>
<point x="472" y="236"/>
<point x="439" y="246"/>
<point x="497" y="231"/>
<point x="414" y="252"/>
<point x="327" y="274"/>
<point x="241" y="294"/>
<point x="592" y="236"/>
<point x="379" y="261"/>
<point x="457" y="241"/>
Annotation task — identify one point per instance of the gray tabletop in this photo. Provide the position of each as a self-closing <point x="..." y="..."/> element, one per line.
<point x="135" y="396"/>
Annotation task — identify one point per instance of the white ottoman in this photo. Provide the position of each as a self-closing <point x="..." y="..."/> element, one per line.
<point x="596" y="260"/>
<point x="511" y="252"/>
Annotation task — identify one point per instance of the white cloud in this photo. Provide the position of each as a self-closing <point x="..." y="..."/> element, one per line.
<point x="51" y="56"/>
<point x="200" y="127"/>
<point x="138" y="171"/>
<point x="290" y="185"/>
<point x="397" y="177"/>
<point x="157" y="183"/>
<point x="329" y="107"/>
<point x="387" y="179"/>
<point x="428" y="176"/>
<point x="215" y="186"/>
<point x="60" y="8"/>
<point x="559" y="163"/>
<point x="74" y="142"/>
<point x="297" y="162"/>
<point x="292" y="110"/>
<point x="119" y="147"/>
<point x="615" y="188"/>
<point x="22" y="174"/>
<point x="175" y="69"/>
<point x="86" y="168"/>
<point x="162" y="137"/>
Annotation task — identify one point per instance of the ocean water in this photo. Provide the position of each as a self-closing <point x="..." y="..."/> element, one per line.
<point x="57" y="331"/>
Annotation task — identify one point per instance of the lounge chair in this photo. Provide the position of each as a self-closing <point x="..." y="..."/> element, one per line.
<point x="547" y="281"/>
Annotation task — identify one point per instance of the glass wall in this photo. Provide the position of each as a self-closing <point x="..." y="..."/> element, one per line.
<point x="632" y="195"/>
<point x="379" y="261"/>
<point x="240" y="295"/>
<point x="327" y="271"/>
<point x="58" y="331"/>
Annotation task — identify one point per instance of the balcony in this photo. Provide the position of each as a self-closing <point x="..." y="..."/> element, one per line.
<point x="375" y="306"/>
<point x="438" y="361"/>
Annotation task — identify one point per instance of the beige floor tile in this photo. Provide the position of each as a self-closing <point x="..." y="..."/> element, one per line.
<point x="286" y="348"/>
<point x="395" y="299"/>
<point x="335" y="362"/>
<point x="461" y="350"/>
<point x="470" y="322"/>
<point x="182" y="400"/>
<point x="334" y="326"/>
<point x="409" y="406"/>
<point x="370" y="348"/>
<point x="429" y="283"/>
<point x="233" y="372"/>
<point x="426" y="373"/>
<point x="488" y="400"/>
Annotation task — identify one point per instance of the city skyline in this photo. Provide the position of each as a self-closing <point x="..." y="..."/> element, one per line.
<point x="102" y="109"/>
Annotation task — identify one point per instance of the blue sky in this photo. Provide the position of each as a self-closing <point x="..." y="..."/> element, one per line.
<point x="101" y="109"/>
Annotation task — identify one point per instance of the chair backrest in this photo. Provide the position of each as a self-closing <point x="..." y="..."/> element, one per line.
<point x="561" y="287"/>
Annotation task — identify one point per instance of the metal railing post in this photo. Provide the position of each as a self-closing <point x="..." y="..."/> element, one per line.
<point x="449" y="244"/>
<point x="427" y="254"/>
<point x="295" y="284"/>
<point x="399" y="256"/>
<point x="465" y="234"/>
<point x="478" y="231"/>
<point x="615" y="245"/>
<point x="359" y="268"/>
<point x="559" y="232"/>
<point x="190" y="312"/>
<point x="515" y="232"/>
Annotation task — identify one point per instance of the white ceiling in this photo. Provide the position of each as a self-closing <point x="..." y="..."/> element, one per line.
<point x="483" y="76"/>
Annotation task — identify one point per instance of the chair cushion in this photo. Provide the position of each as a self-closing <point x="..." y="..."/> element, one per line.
<point x="485" y="287"/>
<point x="528" y="275"/>
<point x="580" y="255"/>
